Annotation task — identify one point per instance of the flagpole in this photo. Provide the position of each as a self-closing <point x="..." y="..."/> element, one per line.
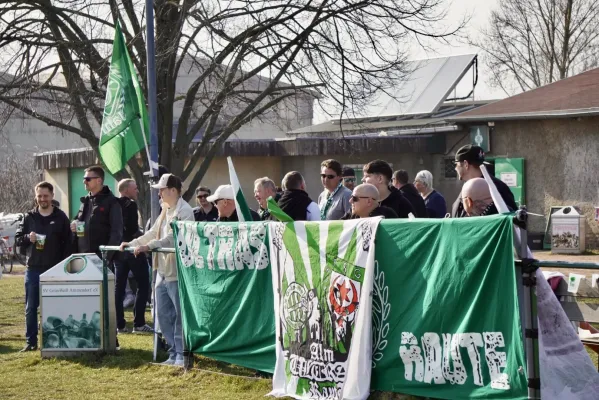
<point x="152" y="111"/>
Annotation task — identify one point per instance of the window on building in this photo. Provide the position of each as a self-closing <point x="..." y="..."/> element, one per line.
<point x="449" y="168"/>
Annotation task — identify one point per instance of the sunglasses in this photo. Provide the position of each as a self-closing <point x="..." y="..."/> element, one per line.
<point x="202" y="196"/>
<point x="89" y="178"/>
<point x="349" y="180"/>
<point x="355" y="199"/>
<point x="323" y="176"/>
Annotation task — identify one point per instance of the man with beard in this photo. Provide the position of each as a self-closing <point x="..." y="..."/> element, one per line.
<point x="46" y="236"/>
<point x="295" y="202"/>
<point x="476" y="197"/>
<point x="401" y="182"/>
<point x="99" y="221"/>
<point x="468" y="160"/>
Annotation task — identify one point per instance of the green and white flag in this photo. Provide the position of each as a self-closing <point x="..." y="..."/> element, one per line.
<point x="125" y="121"/>
<point x="322" y="280"/>
<point x="243" y="211"/>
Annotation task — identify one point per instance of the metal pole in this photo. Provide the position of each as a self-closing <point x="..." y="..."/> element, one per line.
<point x="106" y="310"/>
<point x="153" y="114"/>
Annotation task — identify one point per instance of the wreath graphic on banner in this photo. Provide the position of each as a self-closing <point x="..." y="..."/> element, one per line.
<point x="380" y="313"/>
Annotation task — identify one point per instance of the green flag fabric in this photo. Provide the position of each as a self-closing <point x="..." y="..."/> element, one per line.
<point x="243" y="210"/>
<point x="444" y="305"/>
<point x="276" y="211"/>
<point x="445" y="310"/>
<point x="224" y="285"/>
<point x="125" y="119"/>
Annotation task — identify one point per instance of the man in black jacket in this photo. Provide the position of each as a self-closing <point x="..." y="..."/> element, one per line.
<point x="128" y="262"/>
<point x="401" y="182"/>
<point x="99" y="221"/>
<point x="295" y="201"/>
<point x="224" y="200"/>
<point x="379" y="174"/>
<point x="468" y="160"/>
<point x="365" y="203"/>
<point x="45" y="234"/>
<point x="205" y="211"/>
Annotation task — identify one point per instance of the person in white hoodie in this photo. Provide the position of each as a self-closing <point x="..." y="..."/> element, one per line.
<point x="168" y="308"/>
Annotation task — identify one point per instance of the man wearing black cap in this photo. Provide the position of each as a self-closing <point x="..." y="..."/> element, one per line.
<point x="468" y="160"/>
<point x="349" y="178"/>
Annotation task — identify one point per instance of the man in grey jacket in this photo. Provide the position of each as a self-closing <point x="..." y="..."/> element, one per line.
<point x="334" y="200"/>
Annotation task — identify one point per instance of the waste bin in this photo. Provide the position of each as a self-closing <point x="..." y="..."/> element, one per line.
<point x="568" y="228"/>
<point x="73" y="310"/>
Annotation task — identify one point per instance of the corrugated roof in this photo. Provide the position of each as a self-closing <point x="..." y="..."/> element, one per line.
<point x="574" y="96"/>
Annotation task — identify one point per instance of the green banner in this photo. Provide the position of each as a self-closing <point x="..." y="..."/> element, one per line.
<point x="445" y="317"/>
<point x="225" y="289"/>
<point x="445" y="310"/>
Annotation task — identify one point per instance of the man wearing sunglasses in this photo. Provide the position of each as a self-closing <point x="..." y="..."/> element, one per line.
<point x="334" y="200"/>
<point x="349" y="178"/>
<point x="365" y="203"/>
<point x="99" y="221"/>
<point x="476" y="197"/>
<point x="205" y="211"/>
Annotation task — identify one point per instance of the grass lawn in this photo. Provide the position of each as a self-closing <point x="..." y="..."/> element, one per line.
<point x="127" y="374"/>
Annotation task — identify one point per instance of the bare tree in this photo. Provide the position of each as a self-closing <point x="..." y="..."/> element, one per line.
<point x="252" y="57"/>
<point x="530" y="43"/>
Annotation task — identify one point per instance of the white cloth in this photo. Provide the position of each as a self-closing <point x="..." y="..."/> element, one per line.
<point x="313" y="212"/>
<point x="566" y="369"/>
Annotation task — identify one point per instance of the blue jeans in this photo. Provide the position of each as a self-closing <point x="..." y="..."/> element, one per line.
<point x="168" y="311"/>
<point x="32" y="303"/>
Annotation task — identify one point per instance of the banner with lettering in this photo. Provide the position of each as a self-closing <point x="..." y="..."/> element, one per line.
<point x="322" y="277"/>
<point x="444" y="320"/>
<point x="225" y="290"/>
<point x="445" y="310"/>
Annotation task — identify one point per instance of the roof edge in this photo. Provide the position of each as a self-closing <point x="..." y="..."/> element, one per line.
<point x="580" y="112"/>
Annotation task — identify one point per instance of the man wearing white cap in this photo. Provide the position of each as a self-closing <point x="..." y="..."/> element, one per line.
<point x="224" y="200"/>
<point x="174" y="208"/>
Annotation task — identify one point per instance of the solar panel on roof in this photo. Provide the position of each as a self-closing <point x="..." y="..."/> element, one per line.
<point x="425" y="89"/>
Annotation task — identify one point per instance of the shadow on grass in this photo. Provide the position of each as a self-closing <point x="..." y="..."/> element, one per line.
<point x="209" y="364"/>
<point x="123" y="359"/>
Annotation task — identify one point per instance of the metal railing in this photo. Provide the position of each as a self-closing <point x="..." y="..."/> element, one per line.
<point x="106" y="249"/>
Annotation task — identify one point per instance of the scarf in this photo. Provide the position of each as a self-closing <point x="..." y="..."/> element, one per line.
<point x="295" y="202"/>
<point x="325" y="209"/>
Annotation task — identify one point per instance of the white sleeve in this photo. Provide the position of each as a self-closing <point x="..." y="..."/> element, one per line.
<point x="313" y="212"/>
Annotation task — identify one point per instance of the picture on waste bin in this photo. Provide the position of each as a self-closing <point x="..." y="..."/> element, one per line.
<point x="69" y="321"/>
<point x="565" y="235"/>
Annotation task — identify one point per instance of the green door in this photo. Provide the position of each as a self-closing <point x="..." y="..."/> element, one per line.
<point x="511" y="172"/>
<point x="77" y="189"/>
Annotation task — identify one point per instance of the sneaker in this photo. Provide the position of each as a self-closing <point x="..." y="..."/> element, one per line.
<point x="143" y="329"/>
<point x="179" y="361"/>
<point x="123" y="330"/>
<point x="29" y="347"/>
<point x="129" y="301"/>
<point x="170" y="361"/>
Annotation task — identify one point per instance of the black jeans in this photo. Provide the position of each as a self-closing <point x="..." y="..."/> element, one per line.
<point x="139" y="267"/>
